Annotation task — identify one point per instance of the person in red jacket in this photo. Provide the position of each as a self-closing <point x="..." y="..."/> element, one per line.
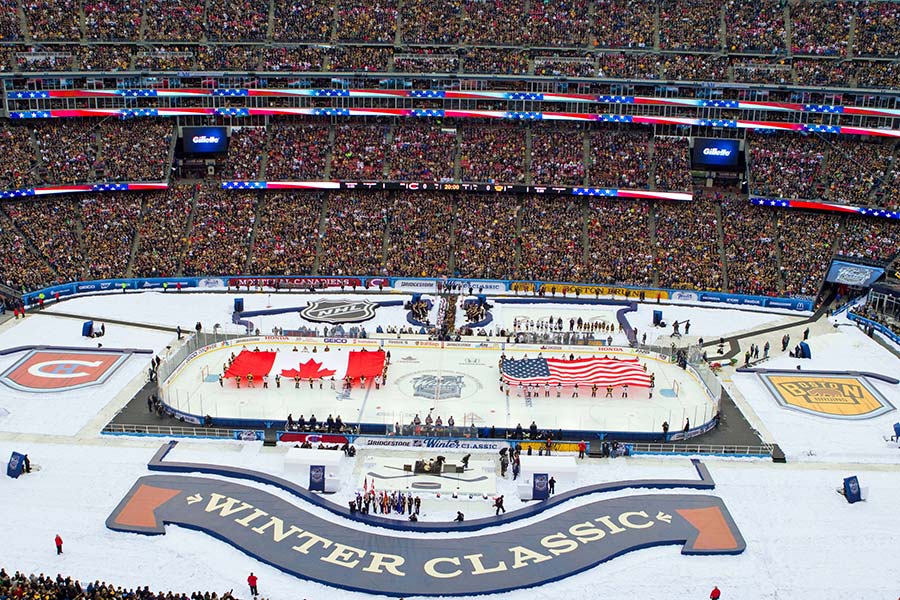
<point x="715" y="593"/>
<point x="58" y="541"/>
<point x="582" y="447"/>
<point x="251" y="581"/>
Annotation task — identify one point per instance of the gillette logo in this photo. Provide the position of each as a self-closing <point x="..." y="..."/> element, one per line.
<point x="205" y="139"/>
<point x="716" y="152"/>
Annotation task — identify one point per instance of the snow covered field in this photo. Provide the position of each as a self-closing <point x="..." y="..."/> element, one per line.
<point x="803" y="539"/>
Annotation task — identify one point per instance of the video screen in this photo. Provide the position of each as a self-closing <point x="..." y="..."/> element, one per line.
<point x="205" y="140"/>
<point x="712" y="154"/>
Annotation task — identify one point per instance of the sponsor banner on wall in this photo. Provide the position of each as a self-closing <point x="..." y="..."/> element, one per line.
<point x="761" y="301"/>
<point x="247" y="435"/>
<point x="679" y="296"/>
<point x="295" y="282"/>
<point x="427" y="443"/>
<point x="104" y="285"/>
<point x="483" y="287"/>
<point x="313" y="438"/>
<point x="416" y="285"/>
<point x="602" y="290"/>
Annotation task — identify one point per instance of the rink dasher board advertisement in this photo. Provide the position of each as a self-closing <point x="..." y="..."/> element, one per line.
<point x="438" y="444"/>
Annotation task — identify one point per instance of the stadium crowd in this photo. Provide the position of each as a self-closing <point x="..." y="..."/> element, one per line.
<point x="162" y="232"/>
<point x="298" y="151"/>
<point x="422" y="152"/>
<point x="108" y="225"/>
<point x="359" y="151"/>
<point x="419" y="227"/>
<point x="353" y="238"/>
<point x="687" y="245"/>
<point x="619" y="239"/>
<point x="285" y="242"/>
<point x="493" y="154"/>
<point x="619" y="159"/>
<point x="557" y="155"/>
<point x="220" y="232"/>
<point x="20" y="586"/>
<point x="486" y="230"/>
<point x="751" y="256"/>
<point x="551" y="234"/>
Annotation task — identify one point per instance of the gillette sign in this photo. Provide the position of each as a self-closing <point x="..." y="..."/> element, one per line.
<point x="715" y="153"/>
<point x="205" y="140"/>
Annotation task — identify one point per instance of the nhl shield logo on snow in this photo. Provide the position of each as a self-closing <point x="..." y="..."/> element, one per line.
<point x="59" y="371"/>
<point x="339" y="311"/>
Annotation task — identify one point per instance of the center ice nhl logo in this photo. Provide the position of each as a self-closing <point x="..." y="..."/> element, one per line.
<point x="57" y="371"/>
<point x="438" y="387"/>
<point x="339" y="311"/>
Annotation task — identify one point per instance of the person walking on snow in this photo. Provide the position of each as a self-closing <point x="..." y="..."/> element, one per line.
<point x="715" y="594"/>
<point x="58" y="541"/>
<point x="251" y="581"/>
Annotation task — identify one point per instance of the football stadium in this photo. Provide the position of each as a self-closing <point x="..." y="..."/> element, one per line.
<point x="472" y="298"/>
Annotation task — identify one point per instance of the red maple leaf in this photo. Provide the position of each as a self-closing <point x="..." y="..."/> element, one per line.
<point x="309" y="370"/>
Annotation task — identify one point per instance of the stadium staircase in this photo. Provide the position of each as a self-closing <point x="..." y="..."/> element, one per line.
<point x="188" y="227"/>
<point x="323" y="223"/>
<point x="651" y="220"/>
<point x="136" y="237"/>
<point x="720" y="228"/>
<point x="329" y="154"/>
<point x="529" y="144"/>
<point x="454" y="211"/>
<point x="251" y="241"/>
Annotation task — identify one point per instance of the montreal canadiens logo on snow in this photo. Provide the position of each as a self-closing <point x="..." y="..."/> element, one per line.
<point x="339" y="311"/>
<point x="57" y="371"/>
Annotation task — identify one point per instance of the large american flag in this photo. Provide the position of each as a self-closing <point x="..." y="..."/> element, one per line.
<point x="602" y="371"/>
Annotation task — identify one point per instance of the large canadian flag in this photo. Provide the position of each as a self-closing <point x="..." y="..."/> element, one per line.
<point x="337" y="363"/>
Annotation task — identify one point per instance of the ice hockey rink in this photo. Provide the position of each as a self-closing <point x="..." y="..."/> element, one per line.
<point x="460" y="380"/>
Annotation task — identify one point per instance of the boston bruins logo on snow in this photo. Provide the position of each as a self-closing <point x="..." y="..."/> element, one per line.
<point x="339" y="311"/>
